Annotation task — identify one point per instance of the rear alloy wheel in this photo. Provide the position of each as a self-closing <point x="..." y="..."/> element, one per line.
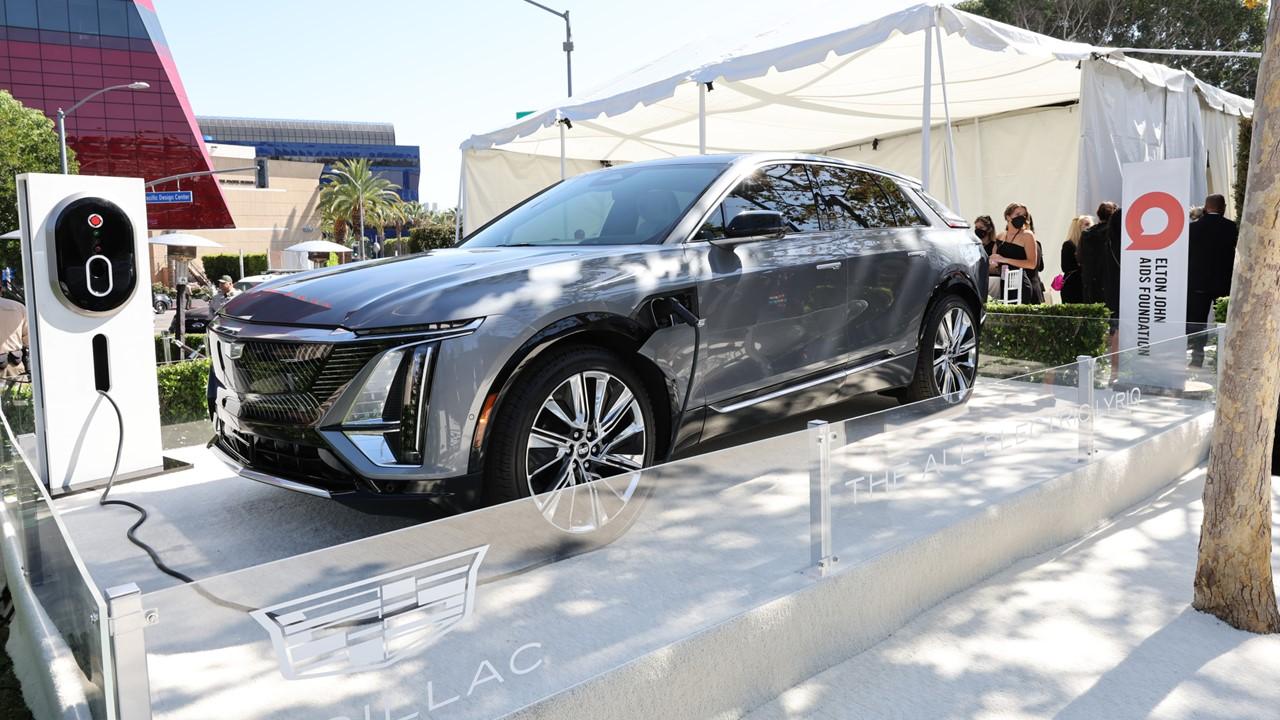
<point x="948" y="360"/>
<point x="573" y="434"/>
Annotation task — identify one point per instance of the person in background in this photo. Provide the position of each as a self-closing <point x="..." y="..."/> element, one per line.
<point x="1196" y="213"/>
<point x="1093" y="255"/>
<point x="1211" y="257"/>
<point x="225" y="291"/>
<point x="1017" y="247"/>
<point x="985" y="229"/>
<point x="13" y="338"/>
<point x="1072" y="288"/>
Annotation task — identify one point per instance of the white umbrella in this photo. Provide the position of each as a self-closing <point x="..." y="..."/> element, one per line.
<point x="12" y="235"/>
<point x="183" y="240"/>
<point x="319" y="246"/>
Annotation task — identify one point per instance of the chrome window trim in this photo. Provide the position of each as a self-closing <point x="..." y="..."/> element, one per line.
<point x="751" y="167"/>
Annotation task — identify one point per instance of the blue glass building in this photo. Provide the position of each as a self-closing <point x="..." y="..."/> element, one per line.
<point x="323" y="141"/>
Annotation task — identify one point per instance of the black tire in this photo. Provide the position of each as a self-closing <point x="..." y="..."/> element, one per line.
<point x="505" y="463"/>
<point x="160" y="307"/>
<point x="925" y="383"/>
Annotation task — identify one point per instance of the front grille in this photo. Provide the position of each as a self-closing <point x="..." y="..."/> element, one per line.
<point x="293" y="383"/>
<point x="272" y="368"/>
<point x="298" y="461"/>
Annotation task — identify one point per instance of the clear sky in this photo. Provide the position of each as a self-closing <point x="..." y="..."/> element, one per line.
<point x="440" y="71"/>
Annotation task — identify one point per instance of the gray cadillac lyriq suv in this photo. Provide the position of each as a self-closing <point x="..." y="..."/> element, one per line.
<point x="615" y="320"/>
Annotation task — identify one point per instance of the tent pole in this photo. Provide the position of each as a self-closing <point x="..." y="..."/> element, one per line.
<point x="562" y="174"/>
<point x="462" y="200"/>
<point x="954" y="194"/>
<point x="702" y="118"/>
<point x="926" y="109"/>
<point x="977" y="154"/>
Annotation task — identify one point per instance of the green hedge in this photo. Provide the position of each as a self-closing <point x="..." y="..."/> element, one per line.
<point x="420" y="239"/>
<point x="195" y="341"/>
<point x="183" y="396"/>
<point x="215" y="266"/>
<point x="183" y="391"/>
<point x="1220" y="310"/>
<point x="1049" y="334"/>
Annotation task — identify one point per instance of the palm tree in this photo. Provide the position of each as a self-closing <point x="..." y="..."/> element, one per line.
<point x="354" y="195"/>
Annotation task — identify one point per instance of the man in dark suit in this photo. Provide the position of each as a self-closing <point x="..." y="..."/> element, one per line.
<point x="1211" y="260"/>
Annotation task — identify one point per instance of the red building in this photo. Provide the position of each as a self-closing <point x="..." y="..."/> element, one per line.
<point x="53" y="53"/>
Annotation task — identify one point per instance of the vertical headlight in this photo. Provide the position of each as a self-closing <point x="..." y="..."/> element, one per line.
<point x="385" y="419"/>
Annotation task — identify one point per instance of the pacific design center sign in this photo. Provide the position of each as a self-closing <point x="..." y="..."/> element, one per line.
<point x="1153" y="262"/>
<point x="169" y="197"/>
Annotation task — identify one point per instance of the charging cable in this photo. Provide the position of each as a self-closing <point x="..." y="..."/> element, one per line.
<point x="142" y="514"/>
<point x="688" y="318"/>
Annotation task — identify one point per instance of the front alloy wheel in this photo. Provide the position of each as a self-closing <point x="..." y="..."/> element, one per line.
<point x="571" y="433"/>
<point x="591" y="427"/>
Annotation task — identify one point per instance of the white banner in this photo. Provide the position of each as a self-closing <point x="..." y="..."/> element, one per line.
<point x="1153" y="263"/>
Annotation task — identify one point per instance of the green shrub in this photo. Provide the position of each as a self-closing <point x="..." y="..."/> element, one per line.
<point x="429" y="237"/>
<point x="195" y="341"/>
<point x="183" y="391"/>
<point x="215" y="266"/>
<point x="1220" y="310"/>
<point x="1049" y="334"/>
<point x="19" y="410"/>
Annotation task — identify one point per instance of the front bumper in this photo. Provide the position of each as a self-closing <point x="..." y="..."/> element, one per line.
<point x="280" y="408"/>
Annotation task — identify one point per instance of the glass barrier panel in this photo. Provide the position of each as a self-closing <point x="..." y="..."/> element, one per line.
<point x="479" y="614"/>
<point x="905" y="472"/>
<point x="58" y="578"/>
<point x="1016" y="344"/>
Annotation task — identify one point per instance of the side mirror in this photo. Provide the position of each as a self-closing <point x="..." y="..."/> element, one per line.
<point x="755" y="225"/>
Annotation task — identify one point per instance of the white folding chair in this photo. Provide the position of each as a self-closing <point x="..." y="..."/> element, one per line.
<point x="1011" y="279"/>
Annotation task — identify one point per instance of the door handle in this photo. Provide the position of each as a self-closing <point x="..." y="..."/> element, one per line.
<point x="829" y="266"/>
<point x="917" y="253"/>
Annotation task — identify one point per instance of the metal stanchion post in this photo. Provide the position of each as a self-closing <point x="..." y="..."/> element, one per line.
<point x="1220" y="358"/>
<point x="1084" y="401"/>
<point x="129" y="650"/>
<point x="820" y="497"/>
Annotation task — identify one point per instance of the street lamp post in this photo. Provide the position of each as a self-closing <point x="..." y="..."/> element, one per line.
<point x="568" y="41"/>
<point x="62" y="116"/>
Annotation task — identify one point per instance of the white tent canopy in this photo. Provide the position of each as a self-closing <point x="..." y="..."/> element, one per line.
<point x="1023" y="111"/>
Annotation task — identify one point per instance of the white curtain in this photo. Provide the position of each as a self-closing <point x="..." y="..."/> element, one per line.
<point x="1128" y="119"/>
<point x="1221" y="139"/>
<point x="1027" y="157"/>
<point x="495" y="180"/>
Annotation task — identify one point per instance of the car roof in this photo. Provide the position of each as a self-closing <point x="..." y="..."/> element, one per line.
<point x="758" y="157"/>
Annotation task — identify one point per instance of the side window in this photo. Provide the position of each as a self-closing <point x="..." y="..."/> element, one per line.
<point x="851" y="199"/>
<point x="906" y="211"/>
<point x="782" y="188"/>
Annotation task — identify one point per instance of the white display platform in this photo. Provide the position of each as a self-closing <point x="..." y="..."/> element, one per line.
<point x="670" y="619"/>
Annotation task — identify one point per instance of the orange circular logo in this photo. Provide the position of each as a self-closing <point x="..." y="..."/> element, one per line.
<point x="1175" y="215"/>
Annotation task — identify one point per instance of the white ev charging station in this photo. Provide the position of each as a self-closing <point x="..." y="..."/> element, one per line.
<point x="86" y="270"/>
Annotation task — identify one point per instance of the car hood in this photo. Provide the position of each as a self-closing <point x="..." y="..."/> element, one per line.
<point x="436" y="286"/>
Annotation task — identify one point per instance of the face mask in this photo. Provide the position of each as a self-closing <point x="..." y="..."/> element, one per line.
<point x="1018" y="221"/>
<point x="982" y="233"/>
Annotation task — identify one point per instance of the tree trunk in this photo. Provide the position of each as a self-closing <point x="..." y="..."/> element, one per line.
<point x="1233" y="575"/>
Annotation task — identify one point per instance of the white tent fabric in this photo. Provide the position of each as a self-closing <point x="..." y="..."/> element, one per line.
<point x="805" y="87"/>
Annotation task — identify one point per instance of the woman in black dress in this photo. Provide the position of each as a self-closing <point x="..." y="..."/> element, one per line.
<point x="1016" y="247"/>
<point x="1072" y="282"/>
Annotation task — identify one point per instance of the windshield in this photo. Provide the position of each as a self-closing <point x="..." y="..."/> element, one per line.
<point x="619" y="206"/>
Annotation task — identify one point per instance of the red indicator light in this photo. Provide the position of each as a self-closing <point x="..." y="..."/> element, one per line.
<point x="95" y="220"/>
